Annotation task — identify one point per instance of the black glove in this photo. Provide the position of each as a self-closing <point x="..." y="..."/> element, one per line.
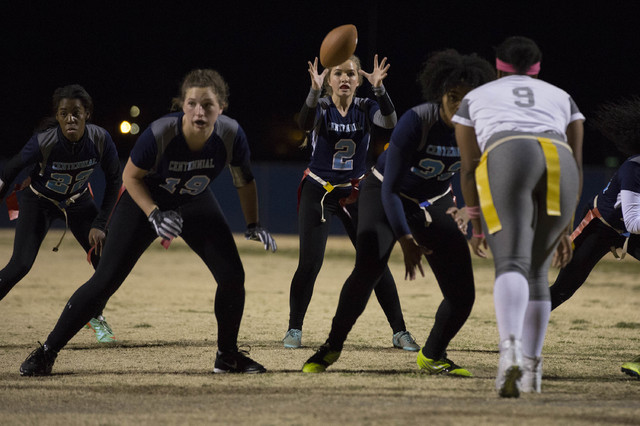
<point x="167" y="224"/>
<point x="255" y="232"/>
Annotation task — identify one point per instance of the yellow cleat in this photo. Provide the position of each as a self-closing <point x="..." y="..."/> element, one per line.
<point x="441" y="366"/>
<point x="319" y="362"/>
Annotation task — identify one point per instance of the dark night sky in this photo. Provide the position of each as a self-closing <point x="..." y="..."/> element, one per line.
<point x="126" y="53"/>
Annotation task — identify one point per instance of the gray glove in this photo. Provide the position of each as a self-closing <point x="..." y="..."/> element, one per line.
<point x="255" y="232"/>
<point x="167" y="224"/>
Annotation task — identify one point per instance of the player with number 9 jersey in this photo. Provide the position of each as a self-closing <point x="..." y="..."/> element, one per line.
<point x="520" y="141"/>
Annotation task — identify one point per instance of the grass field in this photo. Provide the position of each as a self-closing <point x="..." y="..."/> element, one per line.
<point x="160" y="371"/>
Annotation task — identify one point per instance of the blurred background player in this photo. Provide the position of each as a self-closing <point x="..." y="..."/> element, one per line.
<point x="407" y="198"/>
<point x="520" y="142"/>
<point x="167" y="194"/>
<point x="611" y="220"/>
<point x="340" y="126"/>
<point x="62" y="156"/>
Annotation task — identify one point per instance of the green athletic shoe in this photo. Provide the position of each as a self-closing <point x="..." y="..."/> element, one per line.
<point x="319" y="362"/>
<point x="441" y="366"/>
<point x="101" y="329"/>
<point x="632" y="368"/>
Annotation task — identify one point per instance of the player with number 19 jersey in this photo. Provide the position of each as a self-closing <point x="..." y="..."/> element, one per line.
<point x="177" y="174"/>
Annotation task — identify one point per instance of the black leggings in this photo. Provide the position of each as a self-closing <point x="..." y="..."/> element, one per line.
<point x="450" y="263"/>
<point x="205" y="230"/>
<point x="592" y="244"/>
<point x="313" y="241"/>
<point x="36" y="216"/>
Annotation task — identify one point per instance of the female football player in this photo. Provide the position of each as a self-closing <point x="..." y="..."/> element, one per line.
<point x="520" y="142"/>
<point x="62" y="157"/>
<point x="407" y="198"/>
<point x="167" y="194"/>
<point x="340" y="126"/>
<point x="611" y="221"/>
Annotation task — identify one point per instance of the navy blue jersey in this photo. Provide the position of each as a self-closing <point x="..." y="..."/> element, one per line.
<point x="61" y="168"/>
<point x="627" y="178"/>
<point x="177" y="174"/>
<point x="340" y="143"/>
<point x="421" y="160"/>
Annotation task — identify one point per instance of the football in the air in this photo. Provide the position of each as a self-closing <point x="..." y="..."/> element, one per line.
<point x="338" y="45"/>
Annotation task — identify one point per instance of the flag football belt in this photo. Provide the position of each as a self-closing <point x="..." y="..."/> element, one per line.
<point x="62" y="206"/>
<point x="328" y="187"/>
<point x="422" y="204"/>
<point x="552" y="162"/>
<point x="595" y="213"/>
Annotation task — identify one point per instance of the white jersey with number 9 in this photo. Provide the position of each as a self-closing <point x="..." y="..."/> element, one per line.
<point x="517" y="103"/>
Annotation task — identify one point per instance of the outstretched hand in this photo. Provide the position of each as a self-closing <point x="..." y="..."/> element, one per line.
<point x="317" y="79"/>
<point x="412" y="253"/>
<point x="379" y="72"/>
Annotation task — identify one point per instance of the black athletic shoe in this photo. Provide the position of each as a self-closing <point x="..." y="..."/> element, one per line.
<point x="236" y="362"/>
<point x="39" y="363"/>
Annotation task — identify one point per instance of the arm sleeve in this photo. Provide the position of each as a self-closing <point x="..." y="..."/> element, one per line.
<point x="240" y="165"/>
<point x="110" y="165"/>
<point x="404" y="140"/>
<point x="386" y="116"/>
<point x="306" y="118"/>
<point x="393" y="208"/>
<point x="30" y="154"/>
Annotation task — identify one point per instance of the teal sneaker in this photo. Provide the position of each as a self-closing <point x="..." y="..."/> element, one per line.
<point x="632" y="368"/>
<point x="405" y="341"/>
<point x="441" y="366"/>
<point x="101" y="329"/>
<point x="319" y="362"/>
<point x="293" y="339"/>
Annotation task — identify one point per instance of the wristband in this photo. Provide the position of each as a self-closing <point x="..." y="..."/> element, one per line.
<point x="474" y="235"/>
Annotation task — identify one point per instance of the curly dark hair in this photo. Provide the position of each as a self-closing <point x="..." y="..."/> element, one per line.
<point x="519" y="51"/>
<point x="619" y="122"/>
<point x="73" y="91"/>
<point x="447" y="69"/>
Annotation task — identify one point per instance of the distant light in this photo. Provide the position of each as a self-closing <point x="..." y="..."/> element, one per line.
<point x="135" y="129"/>
<point x="125" y="127"/>
<point x="134" y="111"/>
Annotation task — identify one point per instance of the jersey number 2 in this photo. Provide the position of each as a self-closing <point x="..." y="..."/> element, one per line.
<point x="342" y="159"/>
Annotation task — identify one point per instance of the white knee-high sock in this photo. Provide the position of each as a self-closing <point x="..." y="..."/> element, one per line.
<point x="536" y="320"/>
<point x="510" y="297"/>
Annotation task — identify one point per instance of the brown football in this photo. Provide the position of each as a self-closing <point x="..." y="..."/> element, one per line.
<point x="338" y="45"/>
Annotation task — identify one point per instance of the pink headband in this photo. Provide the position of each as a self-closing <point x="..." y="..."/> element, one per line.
<point x="504" y="66"/>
